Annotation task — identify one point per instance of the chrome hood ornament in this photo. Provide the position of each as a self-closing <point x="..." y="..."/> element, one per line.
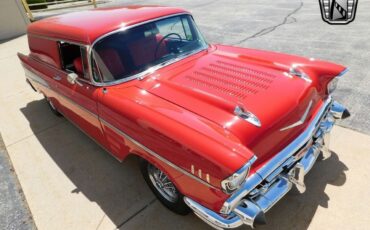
<point x="246" y="115"/>
<point x="300" y="121"/>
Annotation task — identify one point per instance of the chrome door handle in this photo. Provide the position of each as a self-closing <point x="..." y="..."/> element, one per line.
<point x="58" y="78"/>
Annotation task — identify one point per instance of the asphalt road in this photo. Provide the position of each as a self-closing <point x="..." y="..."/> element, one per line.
<point x="14" y="212"/>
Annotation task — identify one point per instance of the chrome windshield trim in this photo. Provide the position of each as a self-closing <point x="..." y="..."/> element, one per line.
<point x="151" y="69"/>
<point x="275" y="162"/>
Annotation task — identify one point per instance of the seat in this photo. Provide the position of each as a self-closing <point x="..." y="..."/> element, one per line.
<point x="113" y="63"/>
<point x="143" y="50"/>
<point x="77" y="63"/>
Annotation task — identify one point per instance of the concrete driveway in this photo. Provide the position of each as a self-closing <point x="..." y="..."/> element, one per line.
<point x="71" y="183"/>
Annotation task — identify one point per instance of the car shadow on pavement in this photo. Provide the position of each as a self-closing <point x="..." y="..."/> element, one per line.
<point x="122" y="194"/>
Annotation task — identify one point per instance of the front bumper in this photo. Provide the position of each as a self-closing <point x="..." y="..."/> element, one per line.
<point x="269" y="184"/>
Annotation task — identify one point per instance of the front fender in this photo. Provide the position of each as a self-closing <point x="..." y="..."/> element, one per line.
<point x="196" y="153"/>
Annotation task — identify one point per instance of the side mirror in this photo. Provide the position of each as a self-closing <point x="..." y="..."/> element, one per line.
<point x="73" y="79"/>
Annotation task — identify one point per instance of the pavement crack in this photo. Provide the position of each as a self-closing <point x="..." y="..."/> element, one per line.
<point x="270" y="29"/>
<point x="36" y="133"/>
<point x="100" y="222"/>
<point x="136" y="213"/>
<point x="205" y="4"/>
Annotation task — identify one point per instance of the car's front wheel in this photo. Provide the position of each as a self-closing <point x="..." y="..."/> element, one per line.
<point x="163" y="188"/>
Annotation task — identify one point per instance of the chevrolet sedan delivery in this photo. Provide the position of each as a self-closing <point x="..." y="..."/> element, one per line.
<point x="222" y="131"/>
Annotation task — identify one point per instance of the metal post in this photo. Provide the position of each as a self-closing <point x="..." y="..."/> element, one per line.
<point x="29" y="13"/>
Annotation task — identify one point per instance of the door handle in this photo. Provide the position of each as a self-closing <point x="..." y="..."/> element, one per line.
<point x="57" y="77"/>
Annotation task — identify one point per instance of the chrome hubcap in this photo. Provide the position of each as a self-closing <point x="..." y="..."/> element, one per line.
<point x="162" y="183"/>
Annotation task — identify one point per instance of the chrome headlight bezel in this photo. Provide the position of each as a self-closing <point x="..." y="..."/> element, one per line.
<point x="236" y="180"/>
<point x="332" y="85"/>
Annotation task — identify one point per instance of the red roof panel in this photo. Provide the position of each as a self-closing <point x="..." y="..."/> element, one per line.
<point x="86" y="26"/>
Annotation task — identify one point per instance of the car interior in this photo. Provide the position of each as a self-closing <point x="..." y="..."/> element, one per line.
<point x="126" y="53"/>
<point x="71" y="58"/>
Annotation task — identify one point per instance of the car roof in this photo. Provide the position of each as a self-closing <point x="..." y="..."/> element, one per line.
<point x="86" y="26"/>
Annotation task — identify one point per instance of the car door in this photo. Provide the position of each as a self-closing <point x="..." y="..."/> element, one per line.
<point x="79" y="100"/>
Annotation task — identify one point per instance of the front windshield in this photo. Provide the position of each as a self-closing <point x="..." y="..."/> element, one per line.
<point x="132" y="51"/>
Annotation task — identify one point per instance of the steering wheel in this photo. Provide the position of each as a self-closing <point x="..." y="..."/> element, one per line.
<point x="160" y="42"/>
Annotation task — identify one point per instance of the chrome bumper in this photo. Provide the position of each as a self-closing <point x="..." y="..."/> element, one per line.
<point x="270" y="183"/>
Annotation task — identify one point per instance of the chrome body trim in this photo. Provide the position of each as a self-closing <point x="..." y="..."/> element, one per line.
<point x="35" y="78"/>
<point x="248" y="207"/>
<point x="343" y="72"/>
<point x="212" y="218"/>
<point x="301" y="120"/>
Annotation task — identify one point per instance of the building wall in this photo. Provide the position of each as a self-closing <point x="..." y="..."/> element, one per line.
<point x="13" y="20"/>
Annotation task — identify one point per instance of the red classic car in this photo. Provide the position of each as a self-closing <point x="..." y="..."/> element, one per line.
<point x="223" y="131"/>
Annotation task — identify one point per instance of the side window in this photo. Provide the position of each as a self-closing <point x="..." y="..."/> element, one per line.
<point x="74" y="59"/>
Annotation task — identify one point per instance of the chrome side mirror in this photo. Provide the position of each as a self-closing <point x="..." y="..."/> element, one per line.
<point x="73" y="79"/>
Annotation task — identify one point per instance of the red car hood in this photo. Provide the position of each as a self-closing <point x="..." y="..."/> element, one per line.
<point x="212" y="83"/>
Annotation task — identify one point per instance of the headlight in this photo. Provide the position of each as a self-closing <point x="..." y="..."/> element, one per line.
<point x="233" y="182"/>
<point x="332" y="85"/>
